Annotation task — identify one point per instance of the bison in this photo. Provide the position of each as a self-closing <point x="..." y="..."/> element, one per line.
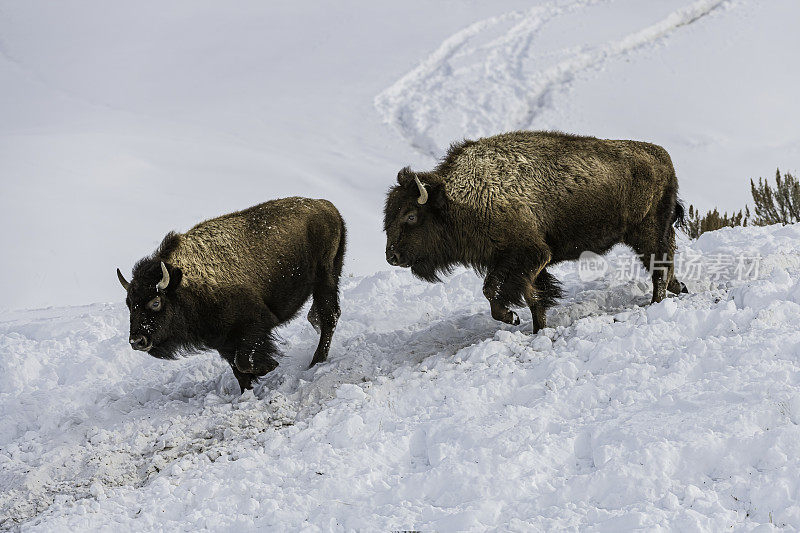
<point x="228" y="282"/>
<point x="510" y="205"/>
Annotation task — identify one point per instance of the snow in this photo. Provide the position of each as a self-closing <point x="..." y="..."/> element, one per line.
<point x="429" y="414"/>
<point x="123" y="122"/>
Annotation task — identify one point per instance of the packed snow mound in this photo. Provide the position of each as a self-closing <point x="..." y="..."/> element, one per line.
<point x="429" y="414"/>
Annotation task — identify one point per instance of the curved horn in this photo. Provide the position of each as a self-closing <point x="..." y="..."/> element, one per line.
<point x="122" y="280"/>
<point x="423" y="194"/>
<point x="164" y="283"/>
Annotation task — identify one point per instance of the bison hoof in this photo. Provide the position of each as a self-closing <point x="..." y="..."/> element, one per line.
<point x="677" y="287"/>
<point x="511" y="318"/>
<point x="505" y="315"/>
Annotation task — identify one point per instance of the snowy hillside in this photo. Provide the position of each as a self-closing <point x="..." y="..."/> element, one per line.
<point x="429" y="414"/>
<point x="122" y="121"/>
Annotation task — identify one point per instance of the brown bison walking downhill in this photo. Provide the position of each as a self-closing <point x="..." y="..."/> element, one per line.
<point x="512" y="204"/>
<point x="227" y="282"/>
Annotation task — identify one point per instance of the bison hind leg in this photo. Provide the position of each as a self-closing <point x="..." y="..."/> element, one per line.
<point x="325" y="310"/>
<point x="326" y="313"/>
<point x="313" y="318"/>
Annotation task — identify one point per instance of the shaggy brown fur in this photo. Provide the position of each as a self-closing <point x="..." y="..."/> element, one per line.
<point x="235" y="278"/>
<point x="512" y="204"/>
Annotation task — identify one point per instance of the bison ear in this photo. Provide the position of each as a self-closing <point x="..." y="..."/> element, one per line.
<point x="436" y="197"/>
<point x="175" y="277"/>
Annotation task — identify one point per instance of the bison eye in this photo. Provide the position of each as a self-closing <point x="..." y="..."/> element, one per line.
<point x="155" y="304"/>
<point x="412" y="218"/>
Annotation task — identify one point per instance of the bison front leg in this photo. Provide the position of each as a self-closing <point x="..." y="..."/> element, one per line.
<point x="500" y="310"/>
<point x="256" y="358"/>
<point x="510" y="280"/>
<point x="541" y="294"/>
<point x="514" y="277"/>
<point x="252" y="348"/>
<point x="245" y="380"/>
<point x="654" y="241"/>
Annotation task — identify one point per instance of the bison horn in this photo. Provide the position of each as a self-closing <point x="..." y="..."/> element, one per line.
<point x="423" y="194"/>
<point x="164" y="283"/>
<point x="122" y="280"/>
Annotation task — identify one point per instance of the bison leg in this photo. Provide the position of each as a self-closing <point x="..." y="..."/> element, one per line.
<point x="254" y="359"/>
<point x="654" y="241"/>
<point x="252" y="345"/>
<point x="326" y="300"/>
<point x="673" y="285"/>
<point x="492" y="289"/>
<point x="538" y="312"/>
<point x="313" y="317"/>
<point x="245" y="380"/>
<point x="326" y="308"/>
<point x="510" y="280"/>
<point x="541" y="294"/>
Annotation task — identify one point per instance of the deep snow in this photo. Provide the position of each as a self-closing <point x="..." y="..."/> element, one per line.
<point x="429" y="414"/>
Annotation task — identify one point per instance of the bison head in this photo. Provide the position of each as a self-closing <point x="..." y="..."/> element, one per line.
<point x="415" y="222"/>
<point x="156" y="317"/>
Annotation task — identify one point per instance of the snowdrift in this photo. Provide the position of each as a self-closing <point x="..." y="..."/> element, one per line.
<point x="429" y="414"/>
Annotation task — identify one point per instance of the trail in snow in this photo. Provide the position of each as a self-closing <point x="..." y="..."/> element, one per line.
<point x="429" y="414"/>
<point x="493" y="76"/>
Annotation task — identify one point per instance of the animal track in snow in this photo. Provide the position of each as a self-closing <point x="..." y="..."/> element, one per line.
<point x="493" y="76"/>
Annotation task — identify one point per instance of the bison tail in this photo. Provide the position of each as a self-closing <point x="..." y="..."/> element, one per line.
<point x="679" y="214"/>
<point x="339" y="258"/>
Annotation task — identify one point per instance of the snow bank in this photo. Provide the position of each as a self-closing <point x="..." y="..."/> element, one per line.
<point x="429" y="414"/>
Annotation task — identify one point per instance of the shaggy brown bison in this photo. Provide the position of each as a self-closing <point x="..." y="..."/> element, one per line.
<point x="510" y="205"/>
<point x="227" y="282"/>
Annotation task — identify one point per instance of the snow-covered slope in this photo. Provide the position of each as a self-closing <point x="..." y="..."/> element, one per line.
<point x="429" y="414"/>
<point x="120" y="122"/>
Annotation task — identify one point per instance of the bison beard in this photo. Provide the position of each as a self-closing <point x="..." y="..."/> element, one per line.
<point x="228" y="282"/>
<point x="511" y="205"/>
